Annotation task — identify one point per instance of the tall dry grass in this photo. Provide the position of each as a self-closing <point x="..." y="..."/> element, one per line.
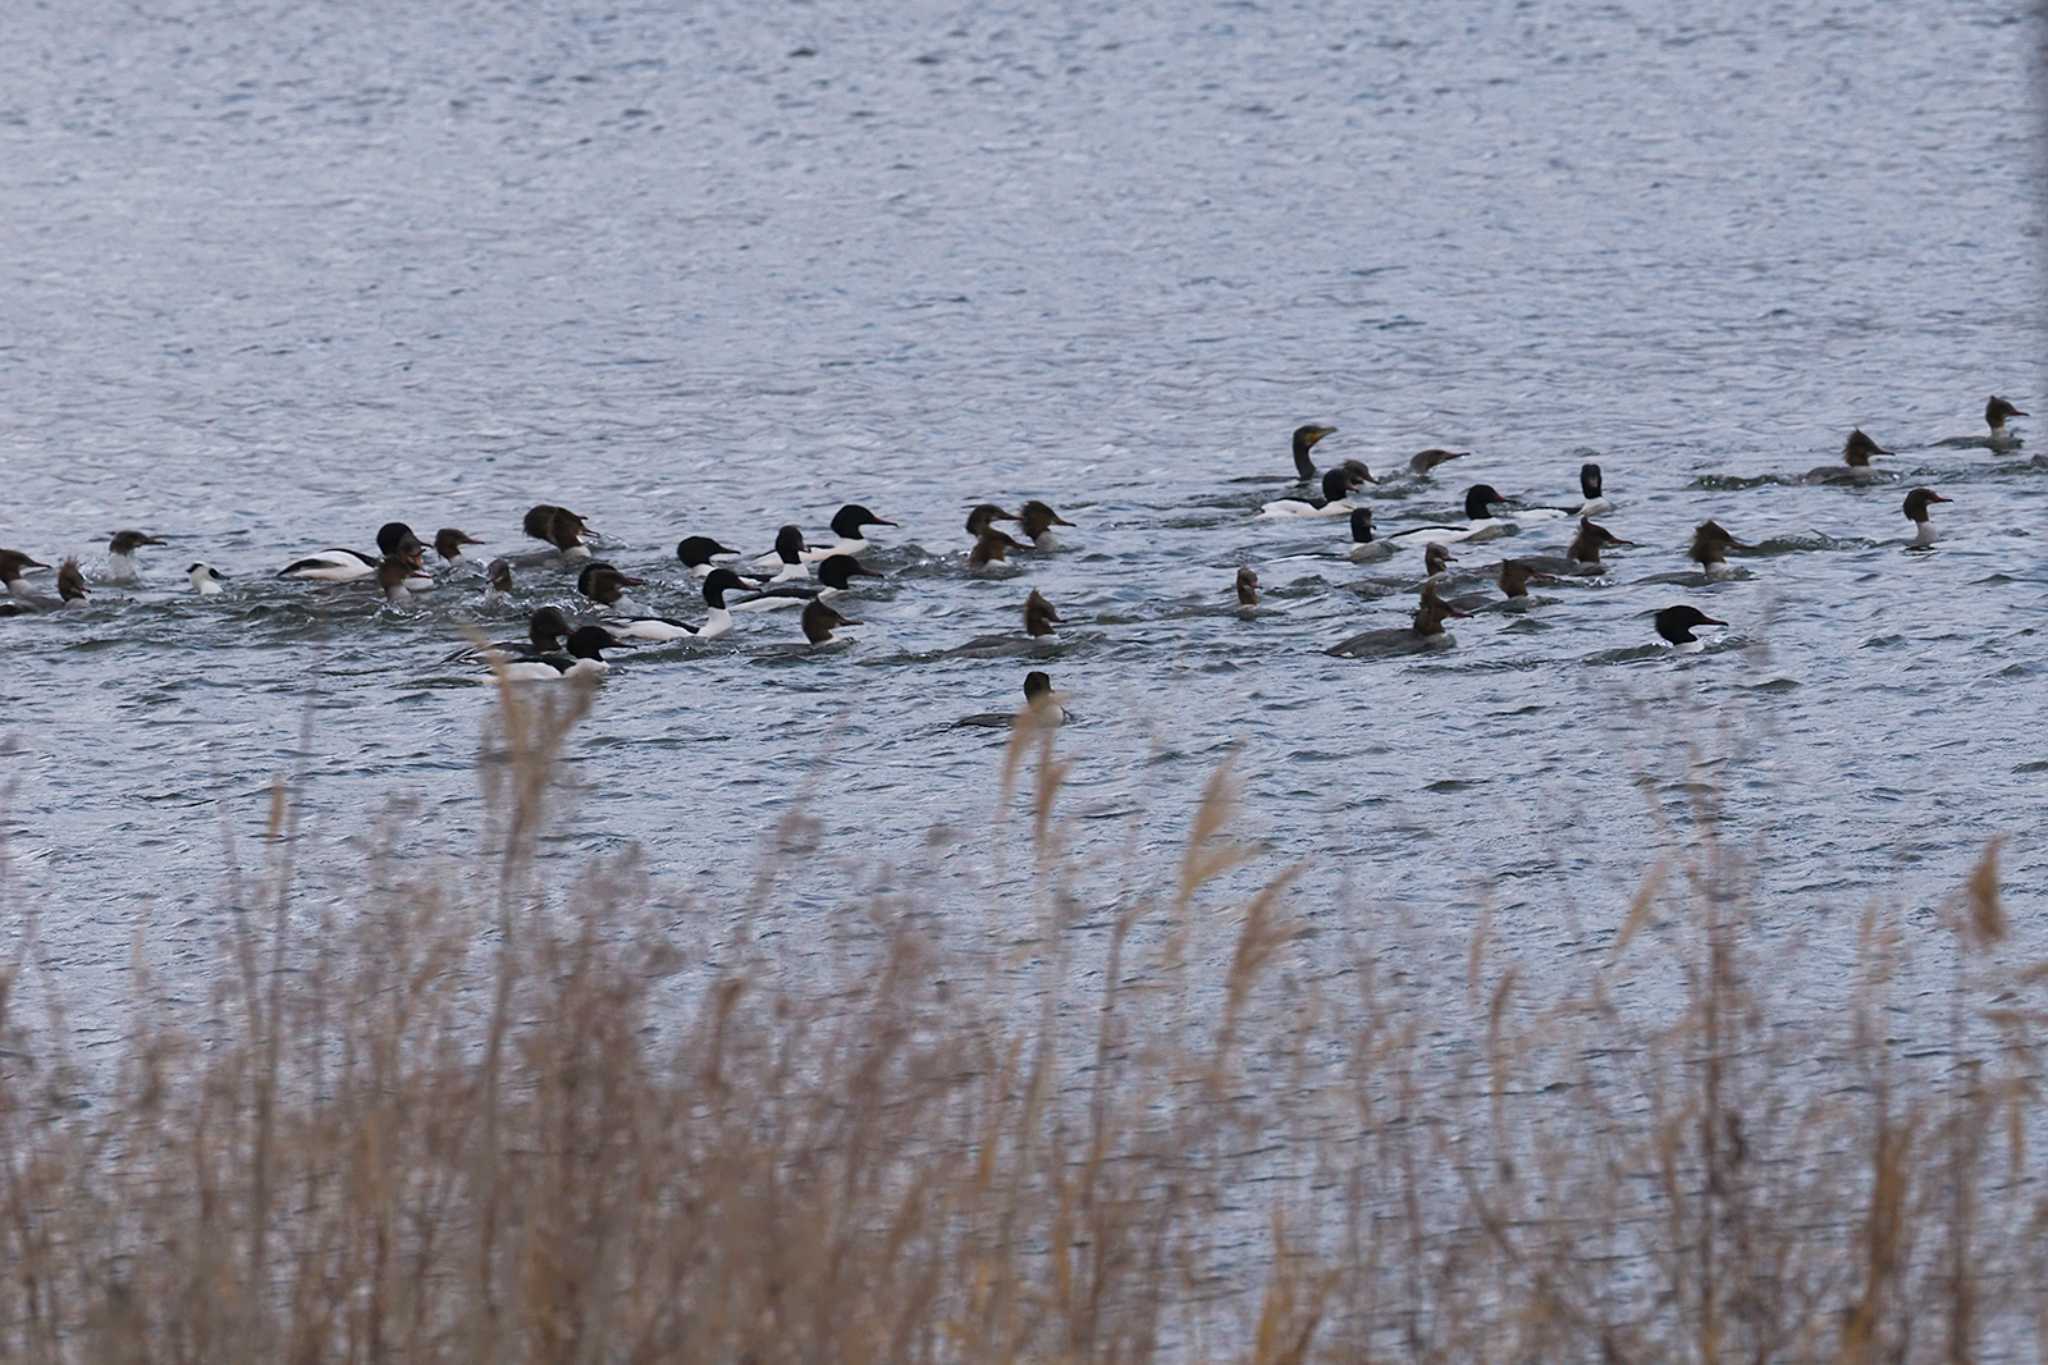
<point x="500" y="1116"/>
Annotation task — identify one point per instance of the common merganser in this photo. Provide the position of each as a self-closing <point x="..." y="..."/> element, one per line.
<point x="121" y="555"/>
<point x="1425" y="631"/>
<point x="1710" y="545"/>
<point x="1041" y="706"/>
<point x="448" y="543"/>
<point x="1436" y="560"/>
<point x="698" y="554"/>
<point x="1676" y="625"/>
<point x="1585" y="548"/>
<point x="835" y="579"/>
<point x="983" y="515"/>
<point x="1040" y="616"/>
<point x="1855" y="466"/>
<point x="1039" y="519"/>
<point x="1247" y="587"/>
<point x="1917" y="503"/>
<point x="395" y="576"/>
<point x="14" y="566"/>
<point x="791" y="551"/>
<point x="991" y="547"/>
<point x="71" y="584"/>
<point x="1333" y="503"/>
<point x="1422" y="461"/>
<point x="848" y="523"/>
<point x="718" y="616"/>
<point x="606" y="585"/>
<point x="497" y="581"/>
<point x="1514" y="578"/>
<point x="1591" y="502"/>
<point x="585" y="659"/>
<point x="347" y="566"/>
<point x="1363" y="547"/>
<point x="1995" y="413"/>
<point x="545" y="630"/>
<point x="205" y="579"/>
<point x="820" y="620"/>
<point x="1480" y="522"/>
<point x="559" y="527"/>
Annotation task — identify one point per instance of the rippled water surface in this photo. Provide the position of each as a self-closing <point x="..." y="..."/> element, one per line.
<point x="276" y="275"/>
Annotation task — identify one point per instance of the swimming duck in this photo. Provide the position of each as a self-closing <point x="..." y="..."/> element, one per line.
<point x="1363" y="547"/>
<point x="990" y="547"/>
<point x="1995" y="414"/>
<point x="789" y="555"/>
<point x="1425" y="631"/>
<point x="14" y="567"/>
<point x="205" y="579"/>
<point x="545" y="630"/>
<point x="1676" y="625"/>
<point x="1041" y="705"/>
<point x="1040" y="617"/>
<point x="585" y="658"/>
<point x="1422" y="461"/>
<point x="1039" y="519"/>
<point x="1333" y="503"/>
<point x="1590" y="500"/>
<point x="497" y="581"/>
<point x="1855" y="466"/>
<point x="820" y="620"/>
<point x="835" y="579"/>
<point x="1710" y="545"/>
<point x="121" y="555"/>
<point x="605" y="584"/>
<point x="1247" y="587"/>
<point x="700" y="553"/>
<point x="1917" y="503"/>
<point x="849" y="524"/>
<point x="984" y="515"/>
<point x="1481" y="523"/>
<point x="348" y="566"/>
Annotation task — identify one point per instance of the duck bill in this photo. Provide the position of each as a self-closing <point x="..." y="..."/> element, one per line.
<point x="884" y="521"/>
<point x="1710" y="621"/>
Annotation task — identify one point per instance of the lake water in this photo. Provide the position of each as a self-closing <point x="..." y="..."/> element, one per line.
<point x="276" y="275"/>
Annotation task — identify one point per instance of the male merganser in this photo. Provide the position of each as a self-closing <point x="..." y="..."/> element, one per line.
<point x="1363" y="546"/>
<point x="983" y="515"/>
<point x="1710" y="545"/>
<point x="205" y="579"/>
<point x="1855" y="466"/>
<point x="1676" y="625"/>
<point x="1590" y="501"/>
<point x="1040" y="616"/>
<point x="1480" y="522"/>
<point x="545" y="630"/>
<point x="718" y="617"/>
<point x="121" y="555"/>
<point x="1039" y="519"/>
<point x="1041" y="706"/>
<point x="1917" y="503"/>
<point x="820" y="621"/>
<point x="848" y="523"/>
<point x="1425" y="631"/>
<point x="991" y="547"/>
<point x="790" y="552"/>
<point x="1333" y="503"/>
<point x="14" y="566"/>
<point x="835" y="579"/>
<point x="585" y="659"/>
<point x="698" y="553"/>
<point x="448" y="543"/>
<point x="347" y="566"/>
<point x="1247" y="587"/>
<point x="1995" y="413"/>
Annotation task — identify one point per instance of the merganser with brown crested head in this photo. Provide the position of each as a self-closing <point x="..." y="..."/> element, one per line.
<point x="1857" y="451"/>
<point x="448" y="543"/>
<point x="1996" y="412"/>
<point x="559" y="527"/>
<point x="1710" y="546"/>
<point x="1425" y="631"/>
<point x="1247" y="587"/>
<point x="1917" y="503"/>
<point x="984" y="515"/>
<point x="14" y="567"/>
<point x="991" y="547"/>
<point x="1041" y="619"/>
<point x="121" y="555"/>
<point x="820" y="621"/>
<point x="1422" y="461"/>
<point x="1038" y="520"/>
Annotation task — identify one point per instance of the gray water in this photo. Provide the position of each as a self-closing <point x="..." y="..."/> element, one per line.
<point x="275" y="276"/>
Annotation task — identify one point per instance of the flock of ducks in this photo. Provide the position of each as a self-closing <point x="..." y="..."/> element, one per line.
<point x="812" y="578"/>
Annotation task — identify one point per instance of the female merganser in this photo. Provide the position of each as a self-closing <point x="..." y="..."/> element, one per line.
<point x="1676" y="625"/>
<point x="820" y="621"/>
<point x="835" y="579"/>
<point x="1917" y="503"/>
<point x="698" y="553"/>
<point x="1995" y="413"/>
<point x="604" y="584"/>
<point x="1436" y="561"/>
<point x="347" y="566"/>
<point x="1710" y="546"/>
<point x="991" y="547"/>
<point x="14" y="566"/>
<point x="1480" y="522"/>
<point x="1247" y="587"/>
<point x="1855" y="466"/>
<point x="584" y="659"/>
<point x="983" y="515"/>
<point x="395" y="577"/>
<point x="1363" y="547"/>
<point x="1513" y="579"/>
<point x="1585" y="548"/>
<point x="847" y="524"/>
<point x="497" y="582"/>
<point x="71" y="587"/>
<point x="1425" y="631"/>
<point x="121" y="555"/>
<point x="545" y="630"/>
<point x="1590" y="501"/>
<point x="1039" y="519"/>
<point x="1041" y="705"/>
<point x="448" y="543"/>
<point x="790" y="552"/>
<point x="1040" y="617"/>
<point x="1420" y="463"/>
<point x="205" y="579"/>
<point x="1333" y="503"/>
<point x="559" y="527"/>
